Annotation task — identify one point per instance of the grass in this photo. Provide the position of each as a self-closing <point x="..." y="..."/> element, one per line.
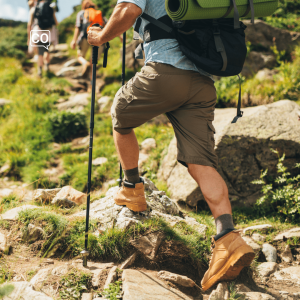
<point x="74" y="284"/>
<point x="114" y="291"/>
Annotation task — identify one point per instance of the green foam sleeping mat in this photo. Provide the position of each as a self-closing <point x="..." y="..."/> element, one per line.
<point x="214" y="9"/>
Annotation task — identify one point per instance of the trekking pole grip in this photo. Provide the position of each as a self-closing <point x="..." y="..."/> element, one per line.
<point x="95" y="48"/>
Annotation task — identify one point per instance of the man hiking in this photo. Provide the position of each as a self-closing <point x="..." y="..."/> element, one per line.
<point x="42" y="17"/>
<point x="169" y="83"/>
<point x="86" y="17"/>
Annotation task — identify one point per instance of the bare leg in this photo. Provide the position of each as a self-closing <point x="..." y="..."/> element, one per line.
<point x="47" y="57"/>
<point x="213" y="188"/>
<point x="40" y="61"/>
<point x="128" y="149"/>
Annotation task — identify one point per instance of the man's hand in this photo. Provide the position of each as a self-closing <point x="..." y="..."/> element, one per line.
<point x="94" y="36"/>
<point x="73" y="44"/>
<point x="122" y="18"/>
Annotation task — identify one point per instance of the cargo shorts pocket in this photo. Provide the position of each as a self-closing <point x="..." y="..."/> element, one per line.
<point x="211" y="136"/>
<point x="123" y="97"/>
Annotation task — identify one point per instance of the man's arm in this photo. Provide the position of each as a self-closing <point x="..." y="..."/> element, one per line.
<point x="122" y="18"/>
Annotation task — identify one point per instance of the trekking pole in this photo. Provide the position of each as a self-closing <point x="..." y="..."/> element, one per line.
<point x="85" y="252"/>
<point x="123" y="82"/>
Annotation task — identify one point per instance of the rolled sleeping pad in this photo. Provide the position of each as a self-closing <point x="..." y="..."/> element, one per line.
<point x="215" y="9"/>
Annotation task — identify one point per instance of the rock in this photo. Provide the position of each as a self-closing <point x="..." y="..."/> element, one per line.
<point x="71" y="63"/>
<point x="256" y="61"/>
<point x="81" y="142"/>
<point x="61" y="270"/>
<point x="243" y="150"/>
<point x="242" y="288"/>
<point x="104" y="104"/>
<point x="258" y="237"/>
<point x="267" y="268"/>
<point x="270" y="252"/>
<point x="40" y="277"/>
<point x="143" y="157"/>
<point x="265" y="74"/>
<point x="287" y="255"/>
<point x="96" y="278"/>
<point x="295" y="232"/>
<point x="257" y="227"/>
<point x="6" y="192"/>
<point x="265" y="35"/>
<point x="99" y="161"/>
<point x="129" y="261"/>
<point x="147" y="145"/>
<point x="112" y="277"/>
<point x="13" y="214"/>
<point x="87" y="296"/>
<point x="33" y="233"/>
<point x="149" y="244"/>
<point x="4" y="244"/>
<point x="291" y="274"/>
<point x="140" y="286"/>
<point x="4" y="102"/>
<point x="108" y="213"/>
<point x="221" y="293"/>
<point x="5" y="167"/>
<point x="59" y="48"/>
<point x="58" y="57"/>
<point x="23" y="290"/>
<point x="257" y="296"/>
<point x="67" y="71"/>
<point x="200" y="228"/>
<point x="175" y="278"/>
<point x="251" y="243"/>
<point x="78" y="100"/>
<point x="45" y="196"/>
<point x="68" y="196"/>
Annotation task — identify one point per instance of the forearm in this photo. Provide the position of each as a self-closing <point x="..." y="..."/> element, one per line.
<point x="76" y="34"/>
<point x="122" y="19"/>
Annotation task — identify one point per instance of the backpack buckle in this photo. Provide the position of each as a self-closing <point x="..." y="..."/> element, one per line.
<point x="216" y="30"/>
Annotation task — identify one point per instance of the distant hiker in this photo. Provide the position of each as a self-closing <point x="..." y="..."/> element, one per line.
<point x="34" y="50"/>
<point x="171" y="84"/>
<point x="42" y="17"/>
<point x="85" y="18"/>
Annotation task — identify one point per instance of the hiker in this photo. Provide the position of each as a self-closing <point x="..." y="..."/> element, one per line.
<point x="170" y="83"/>
<point x="86" y="17"/>
<point x="42" y="17"/>
<point x="31" y="50"/>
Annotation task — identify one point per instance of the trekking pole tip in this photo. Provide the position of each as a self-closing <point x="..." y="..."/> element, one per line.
<point x="84" y="254"/>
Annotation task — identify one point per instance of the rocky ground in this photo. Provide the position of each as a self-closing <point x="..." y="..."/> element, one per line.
<point x="154" y="268"/>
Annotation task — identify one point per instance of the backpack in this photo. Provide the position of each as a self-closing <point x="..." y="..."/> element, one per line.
<point x="44" y="14"/>
<point x="90" y="17"/>
<point x="216" y="46"/>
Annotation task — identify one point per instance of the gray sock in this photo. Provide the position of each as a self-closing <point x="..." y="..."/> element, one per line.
<point x="132" y="175"/>
<point x="224" y="222"/>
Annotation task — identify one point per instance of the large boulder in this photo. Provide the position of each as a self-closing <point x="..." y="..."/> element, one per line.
<point x="264" y="35"/>
<point x="244" y="149"/>
<point x="159" y="205"/>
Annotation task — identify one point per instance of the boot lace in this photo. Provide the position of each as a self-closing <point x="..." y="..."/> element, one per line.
<point x="212" y="247"/>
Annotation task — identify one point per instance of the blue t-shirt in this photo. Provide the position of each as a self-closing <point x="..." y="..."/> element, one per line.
<point x="163" y="51"/>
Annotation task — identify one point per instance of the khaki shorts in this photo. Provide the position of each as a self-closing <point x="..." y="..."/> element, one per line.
<point x="84" y="46"/>
<point x="187" y="98"/>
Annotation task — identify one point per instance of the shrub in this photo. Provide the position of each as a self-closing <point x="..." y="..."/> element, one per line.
<point x="64" y="126"/>
<point x="280" y="195"/>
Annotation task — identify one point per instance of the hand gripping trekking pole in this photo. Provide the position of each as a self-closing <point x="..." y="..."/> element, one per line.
<point x="123" y="82"/>
<point x="85" y="252"/>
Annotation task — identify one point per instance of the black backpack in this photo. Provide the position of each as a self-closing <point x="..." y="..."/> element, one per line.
<point x="44" y="14"/>
<point x="216" y="46"/>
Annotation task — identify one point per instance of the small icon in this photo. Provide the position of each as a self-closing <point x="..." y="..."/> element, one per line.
<point x="40" y="38"/>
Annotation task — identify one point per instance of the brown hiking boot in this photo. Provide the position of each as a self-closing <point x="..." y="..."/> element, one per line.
<point x="230" y="255"/>
<point x="132" y="195"/>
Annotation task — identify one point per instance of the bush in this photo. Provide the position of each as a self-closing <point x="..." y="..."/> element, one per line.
<point x="65" y="126"/>
<point x="281" y="195"/>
